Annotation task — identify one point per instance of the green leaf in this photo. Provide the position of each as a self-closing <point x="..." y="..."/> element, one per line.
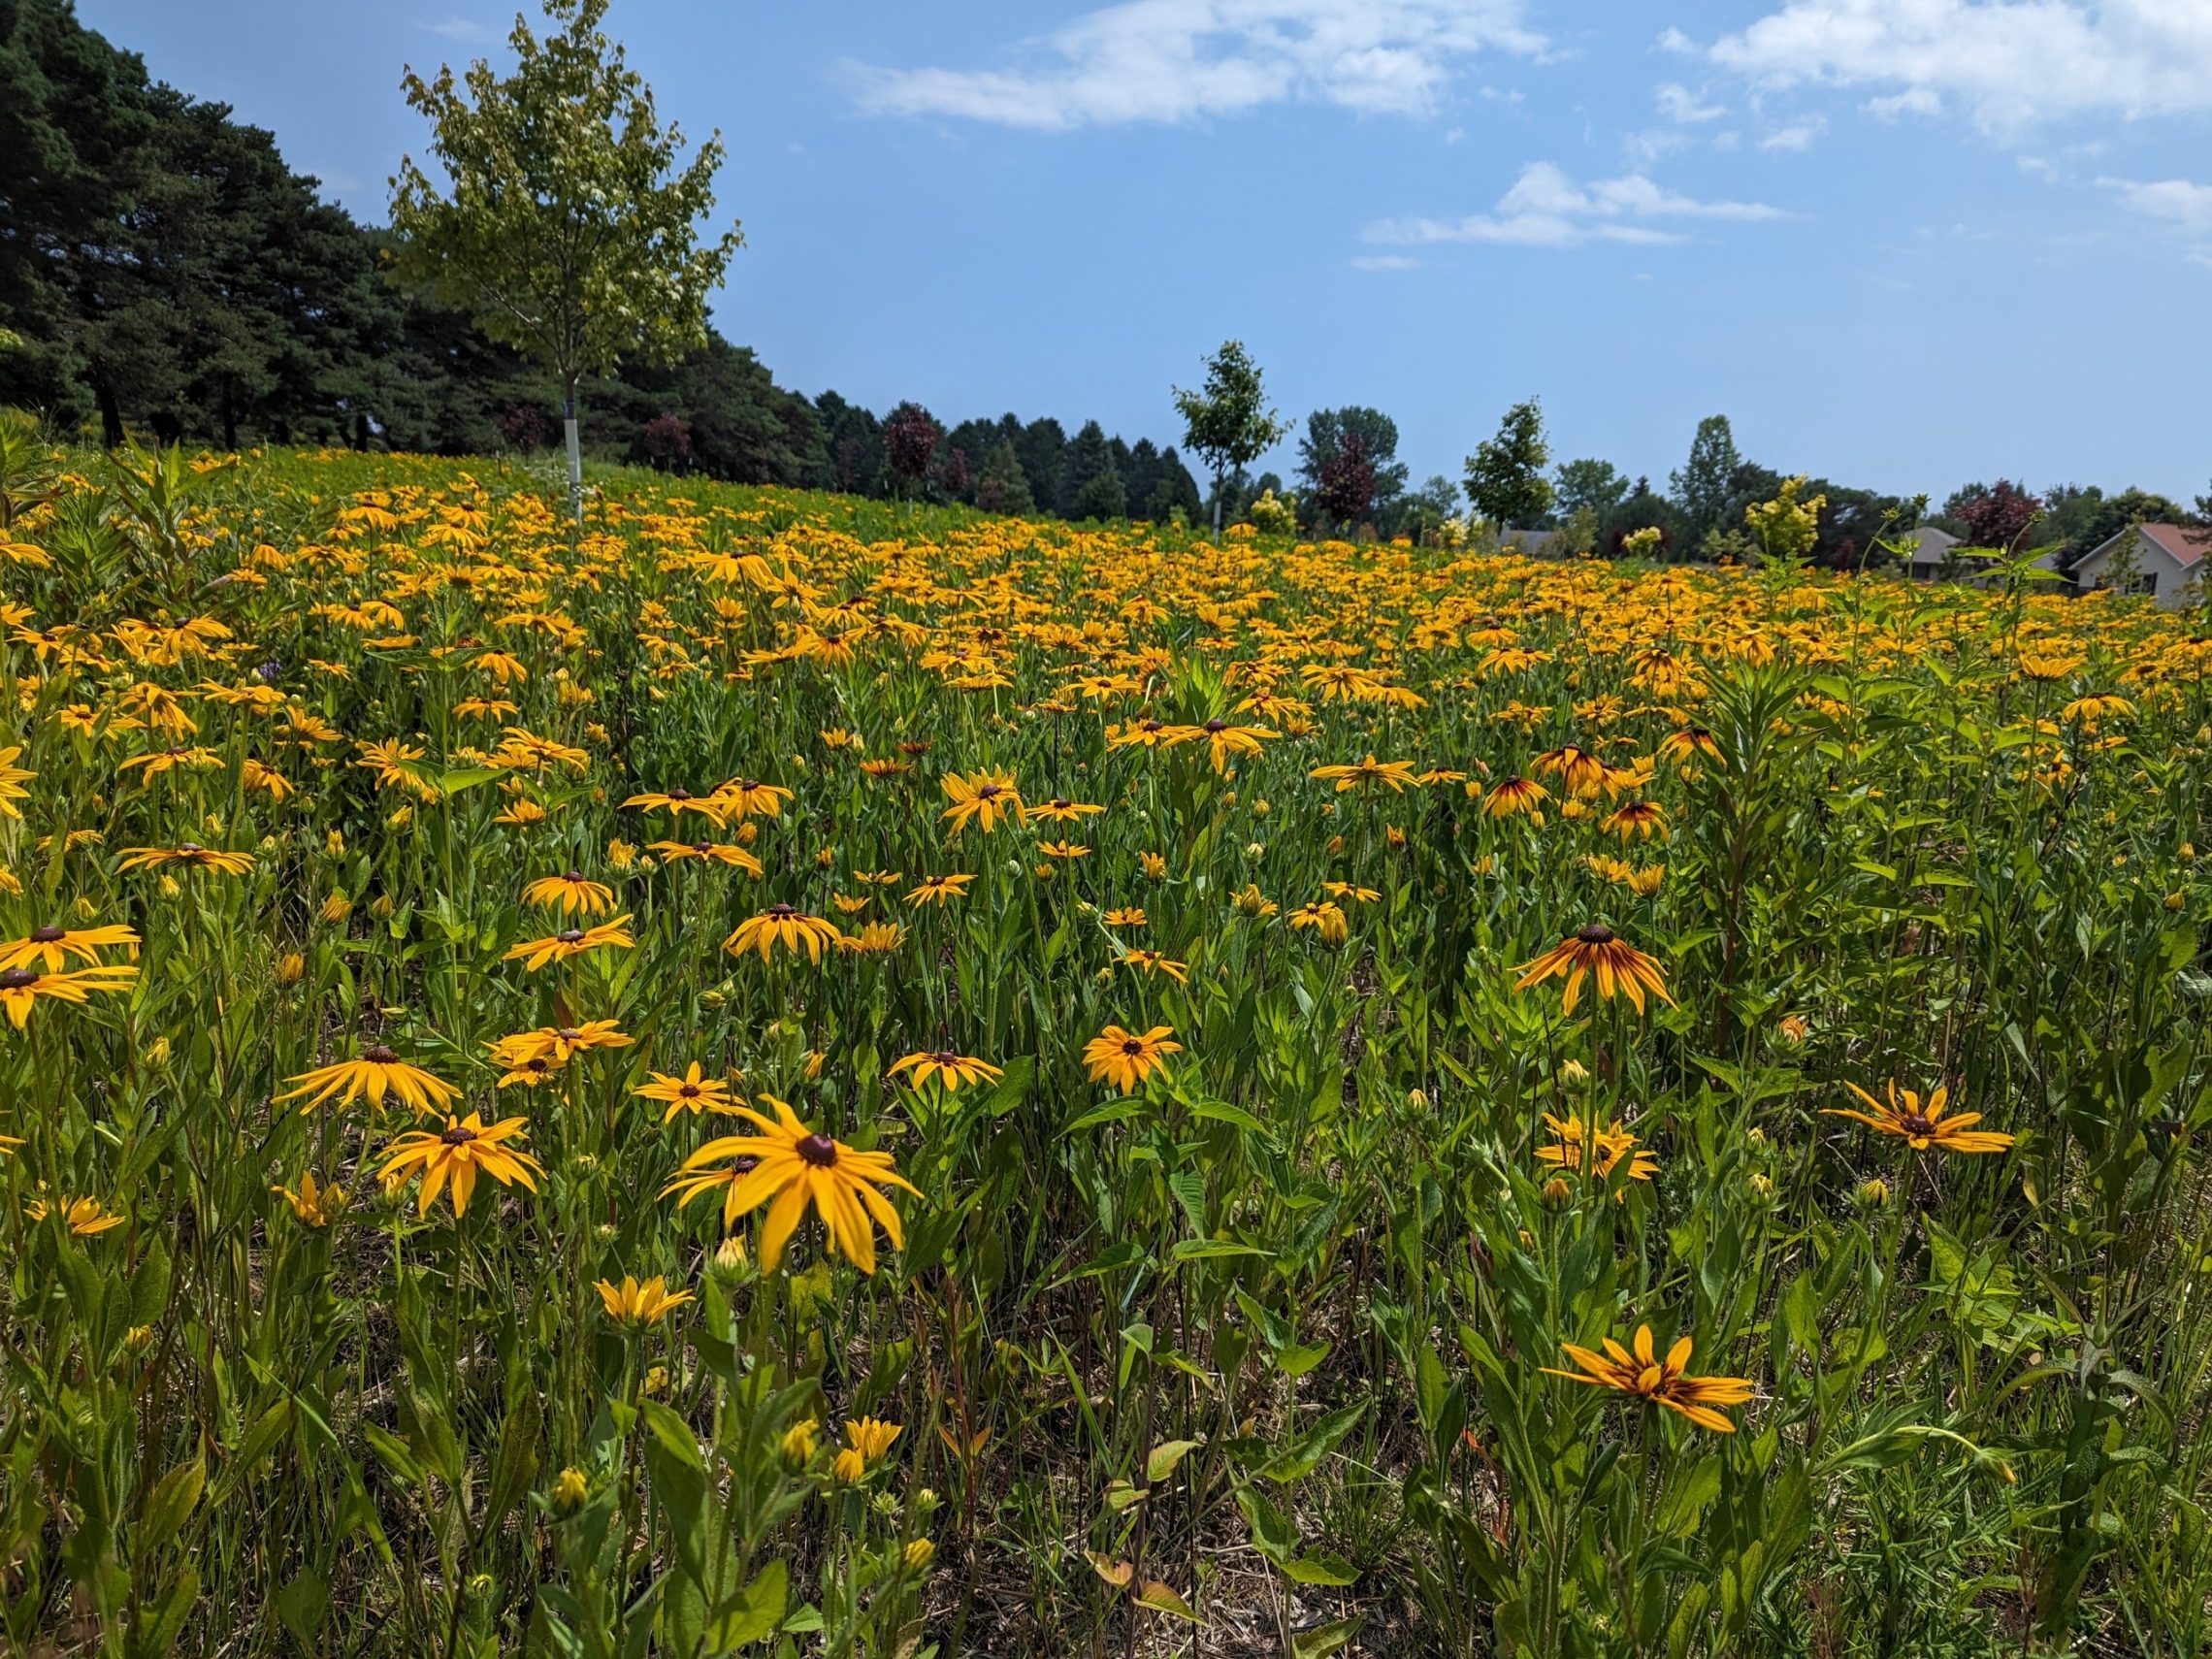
<point x="302" y="1604"/>
<point x="1323" y="1640"/>
<point x="1320" y="1569"/>
<point x="169" y="1505"/>
<point x="754" y="1612"/>
<point x="1160" y="1598"/>
<point x="468" y="777"/>
<point x="1305" y="1453"/>
<point x="1165" y="1457"/>
<point x="1212" y="1250"/>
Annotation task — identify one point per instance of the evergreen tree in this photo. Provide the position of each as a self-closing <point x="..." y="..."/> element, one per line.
<point x="1703" y="487"/>
<point x="1091" y="486"/>
<point x="1043" y="449"/>
<point x="1001" y="486"/>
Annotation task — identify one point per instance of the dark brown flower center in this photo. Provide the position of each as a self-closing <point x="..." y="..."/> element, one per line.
<point x="190" y="849"/>
<point x="458" y="1136"/>
<point x="781" y="912"/>
<point x="569" y="935"/>
<point x="379" y="1055"/>
<point x="48" y="935"/>
<point x="1917" y="1124"/>
<point x="574" y="876"/>
<point x="15" y="979"/>
<point x="1214" y="726"/>
<point x="1133" y="1047"/>
<point x="689" y="1090"/>
<point x="817" y="1150"/>
<point x="1595" y="934"/>
<point x="989" y="792"/>
<point x="567" y="1033"/>
<point x="679" y="792"/>
<point x="945" y="1056"/>
<point x="702" y="848"/>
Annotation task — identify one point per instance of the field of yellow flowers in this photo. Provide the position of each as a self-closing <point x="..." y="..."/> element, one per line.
<point x="775" y="1075"/>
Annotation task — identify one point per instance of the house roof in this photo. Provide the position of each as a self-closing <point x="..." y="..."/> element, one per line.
<point x="2187" y="545"/>
<point x="1931" y="545"/>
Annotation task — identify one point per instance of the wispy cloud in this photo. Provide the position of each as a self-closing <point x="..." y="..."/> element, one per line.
<point x="1677" y="103"/>
<point x="1182" y="60"/>
<point x="1547" y="209"/>
<point x="2009" y="62"/>
<point x="2180" y="203"/>
<point x="461" y="29"/>
<point x="1385" y="262"/>
<point x="1798" y="135"/>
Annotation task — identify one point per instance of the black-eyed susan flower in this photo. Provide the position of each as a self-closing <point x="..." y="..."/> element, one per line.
<point x="876" y="939"/>
<point x="458" y="1152"/>
<point x="185" y="855"/>
<point x="982" y="799"/>
<point x="570" y="943"/>
<point x="22" y="988"/>
<point x="1060" y="810"/>
<point x="785" y="926"/>
<point x="1154" y="962"/>
<point x="677" y="801"/>
<point x="938" y="889"/>
<point x="632" y="1303"/>
<point x="694" y="1091"/>
<point x="796" y="1169"/>
<point x="377" y="1071"/>
<point x="1221" y="740"/>
<point x="713" y="852"/>
<point x="749" y="798"/>
<point x="1395" y="775"/>
<point x="1688" y="744"/>
<point x="1664" y="1381"/>
<point x="1594" y="1150"/>
<point x="1920" y="1127"/>
<point x="556" y="1044"/>
<point x="52" y="947"/>
<point x="569" y="891"/>
<point x="1127" y="916"/>
<point x="949" y="1069"/>
<point x="1516" y="793"/>
<point x="1635" y="818"/>
<point x="1597" y="951"/>
<point x="1126" y="1059"/>
<point x="1326" y="919"/>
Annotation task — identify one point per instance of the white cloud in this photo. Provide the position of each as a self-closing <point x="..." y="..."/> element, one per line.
<point x="1547" y="209"/>
<point x="2011" y="62"/>
<point x="1798" y="135"/>
<point x="1180" y="61"/>
<point x="1677" y="103"/>
<point x="2181" y="203"/>
<point x="1385" y="262"/>
<point x="457" y="30"/>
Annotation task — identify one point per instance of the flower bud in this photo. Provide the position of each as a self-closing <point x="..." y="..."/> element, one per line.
<point x="570" y="1489"/>
<point x="919" y="1554"/>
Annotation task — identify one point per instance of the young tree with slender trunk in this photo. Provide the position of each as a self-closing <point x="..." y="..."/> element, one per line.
<point x="1228" y="424"/>
<point x="567" y="228"/>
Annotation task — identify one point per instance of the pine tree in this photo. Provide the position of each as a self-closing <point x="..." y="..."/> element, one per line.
<point x="1703" y="486"/>
<point x="1001" y="486"/>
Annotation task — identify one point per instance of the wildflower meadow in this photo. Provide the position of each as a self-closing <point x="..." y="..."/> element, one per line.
<point x="771" y="1073"/>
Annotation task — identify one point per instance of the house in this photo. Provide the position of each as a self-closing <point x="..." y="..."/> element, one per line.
<point x="1931" y="549"/>
<point x="1530" y="543"/>
<point x="2163" y="562"/>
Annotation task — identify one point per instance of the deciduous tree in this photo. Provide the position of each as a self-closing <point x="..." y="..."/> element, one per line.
<point x="1505" y="475"/>
<point x="567" y="229"/>
<point x="1227" y="424"/>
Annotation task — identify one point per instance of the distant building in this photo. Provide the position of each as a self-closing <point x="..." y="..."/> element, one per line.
<point x="1931" y="551"/>
<point x="2163" y="562"/>
<point x="1531" y="543"/>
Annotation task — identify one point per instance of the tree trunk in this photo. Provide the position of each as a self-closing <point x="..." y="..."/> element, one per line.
<point x="1218" y="485"/>
<point x="575" y="453"/>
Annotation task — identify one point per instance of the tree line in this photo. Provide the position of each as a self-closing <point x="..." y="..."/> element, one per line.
<point x="162" y="270"/>
<point x="164" y="273"/>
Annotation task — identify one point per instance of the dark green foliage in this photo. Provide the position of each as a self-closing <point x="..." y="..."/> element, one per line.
<point x="1090" y="484"/>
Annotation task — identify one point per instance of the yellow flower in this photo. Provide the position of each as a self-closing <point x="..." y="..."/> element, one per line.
<point x="315" y="1206"/>
<point x="20" y="987"/>
<point x="1126" y="1059"/>
<point x="1595" y="1152"/>
<point x="797" y="1167"/>
<point x="799" y="1443"/>
<point x="1596" y="950"/>
<point x="83" y="1216"/>
<point x="1326" y="919"/>
<point x="982" y="799"/>
<point x="188" y="853"/>
<point x="782" y="925"/>
<point x="376" y="1071"/>
<point x="949" y="1069"/>
<point x="692" y="1092"/>
<point x="1921" y="1129"/>
<point x="569" y="891"/>
<point x="634" y="1304"/>
<point x="1153" y="962"/>
<point x="457" y="1154"/>
<point x="1364" y="775"/>
<point x="53" y="948"/>
<point x="713" y="852"/>
<point x="570" y="943"/>
<point x="866" y="1440"/>
<point x="1663" y="1382"/>
<point x="936" y="889"/>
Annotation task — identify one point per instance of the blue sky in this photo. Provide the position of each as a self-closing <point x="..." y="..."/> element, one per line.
<point x="1901" y="243"/>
